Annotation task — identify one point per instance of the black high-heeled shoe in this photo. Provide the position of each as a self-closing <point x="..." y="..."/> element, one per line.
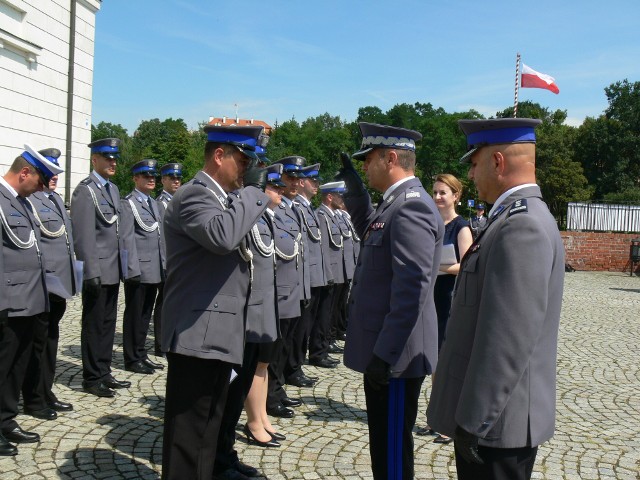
<point x="276" y="435"/>
<point x="252" y="439"/>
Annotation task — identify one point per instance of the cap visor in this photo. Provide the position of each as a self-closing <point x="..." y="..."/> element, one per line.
<point x="263" y="158"/>
<point x="466" y="158"/>
<point x="361" y="154"/>
<point x="249" y="154"/>
<point x="277" y="183"/>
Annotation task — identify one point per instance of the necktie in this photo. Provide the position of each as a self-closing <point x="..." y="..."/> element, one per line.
<point x="150" y="203"/>
<point x="107" y="186"/>
<point x="53" y="200"/>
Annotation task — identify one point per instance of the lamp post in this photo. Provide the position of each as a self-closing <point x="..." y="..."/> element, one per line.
<point x="634" y="253"/>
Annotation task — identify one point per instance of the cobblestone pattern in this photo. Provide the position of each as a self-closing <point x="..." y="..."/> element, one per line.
<point x="597" y="434"/>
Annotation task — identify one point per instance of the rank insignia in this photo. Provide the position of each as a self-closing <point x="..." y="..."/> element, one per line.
<point x="519" y="206"/>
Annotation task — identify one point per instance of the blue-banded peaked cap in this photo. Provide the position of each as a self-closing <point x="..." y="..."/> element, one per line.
<point x="293" y="165"/>
<point x="147" y="166"/>
<point x="496" y="131"/>
<point x="245" y="138"/>
<point x="274" y="175"/>
<point x="261" y="148"/>
<point x="51" y="154"/>
<point x="312" y="171"/>
<point x="385" y="136"/>
<point x="107" y="147"/>
<point x="333" y="187"/>
<point x="173" y="169"/>
<point x="45" y="167"/>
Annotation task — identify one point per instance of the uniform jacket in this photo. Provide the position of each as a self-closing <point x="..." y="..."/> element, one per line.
<point x="348" y="248"/>
<point x="289" y="281"/>
<point x="107" y="249"/>
<point x="296" y="215"/>
<point x="356" y="238"/>
<point x="163" y="200"/>
<point x="497" y="372"/>
<point x="313" y="248"/>
<point x="58" y="251"/>
<point x="207" y="285"/>
<point x="23" y="284"/>
<point x="149" y="244"/>
<point x="262" y="321"/>
<point x="332" y="243"/>
<point x="391" y="309"/>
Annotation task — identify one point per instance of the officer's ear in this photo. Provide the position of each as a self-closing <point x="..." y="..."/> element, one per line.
<point x="499" y="163"/>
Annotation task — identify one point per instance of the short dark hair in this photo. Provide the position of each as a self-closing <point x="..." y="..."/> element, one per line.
<point x="211" y="147"/>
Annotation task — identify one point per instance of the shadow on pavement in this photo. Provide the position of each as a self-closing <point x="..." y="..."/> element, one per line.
<point x="103" y="463"/>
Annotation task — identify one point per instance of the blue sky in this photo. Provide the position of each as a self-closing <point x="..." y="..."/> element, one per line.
<point x="193" y="59"/>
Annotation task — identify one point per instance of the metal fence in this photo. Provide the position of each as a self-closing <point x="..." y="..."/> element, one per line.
<point x="603" y="217"/>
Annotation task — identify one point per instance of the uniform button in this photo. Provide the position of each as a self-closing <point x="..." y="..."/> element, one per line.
<point x="215" y="305"/>
<point x="259" y="203"/>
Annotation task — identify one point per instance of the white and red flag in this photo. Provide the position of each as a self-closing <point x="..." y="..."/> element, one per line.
<point x="532" y="79"/>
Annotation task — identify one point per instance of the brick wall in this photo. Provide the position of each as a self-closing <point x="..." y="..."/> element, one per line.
<point x="598" y="251"/>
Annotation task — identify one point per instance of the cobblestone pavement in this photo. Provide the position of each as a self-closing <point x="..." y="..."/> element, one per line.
<point x="597" y="433"/>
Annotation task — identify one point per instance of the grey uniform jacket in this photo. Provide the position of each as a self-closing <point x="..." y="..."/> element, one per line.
<point x="303" y="268"/>
<point x="107" y="249"/>
<point x="148" y="236"/>
<point x="57" y="249"/>
<point x="288" y="278"/>
<point x="207" y="285"/>
<point x="348" y="255"/>
<point x="356" y="238"/>
<point x="23" y="283"/>
<point x="332" y="243"/>
<point x="391" y="309"/>
<point x="497" y="372"/>
<point x="313" y="248"/>
<point x="163" y="200"/>
<point x="262" y="321"/>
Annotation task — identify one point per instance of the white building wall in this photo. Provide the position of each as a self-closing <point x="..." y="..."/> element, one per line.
<point x="34" y="66"/>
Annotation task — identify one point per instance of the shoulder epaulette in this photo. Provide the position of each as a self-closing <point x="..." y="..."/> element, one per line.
<point x="199" y="182"/>
<point x="86" y="181"/>
<point x="129" y="196"/>
<point x="518" y="206"/>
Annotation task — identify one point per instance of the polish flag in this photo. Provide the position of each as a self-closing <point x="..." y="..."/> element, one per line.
<point x="532" y="79"/>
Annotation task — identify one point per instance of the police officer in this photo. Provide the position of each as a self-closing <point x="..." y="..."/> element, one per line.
<point x="171" y="181"/>
<point x="59" y="257"/>
<point x="332" y="247"/>
<point x="205" y="294"/>
<point x="142" y="210"/>
<point x="494" y="392"/>
<point x="392" y="334"/>
<point x="24" y="292"/>
<point x="478" y="222"/>
<point x="104" y="242"/>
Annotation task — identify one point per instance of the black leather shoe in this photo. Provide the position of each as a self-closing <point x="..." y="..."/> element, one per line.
<point x="281" y="411"/>
<point x="139" y="367"/>
<point x="99" y="390"/>
<point x="276" y="435"/>
<point x="230" y="474"/>
<point x="154" y="365"/>
<point x="300" y="381"/>
<point x="291" y="402"/>
<point x="247" y="470"/>
<point x="113" y="383"/>
<point x="59" y="406"/>
<point x="43" y="414"/>
<point x="333" y="348"/>
<point x="6" y="449"/>
<point x="332" y="360"/>
<point x="323" y="363"/>
<point x="18" y="435"/>
<point x="271" y="443"/>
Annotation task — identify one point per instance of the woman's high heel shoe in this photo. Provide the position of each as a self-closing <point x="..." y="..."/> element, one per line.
<point x="252" y="439"/>
<point x="276" y="435"/>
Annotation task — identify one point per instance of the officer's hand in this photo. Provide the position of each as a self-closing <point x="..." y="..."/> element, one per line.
<point x="331" y="282"/>
<point x="378" y="372"/>
<point x="255" y="177"/>
<point x="135" y="280"/>
<point x="91" y="287"/>
<point x="351" y="178"/>
<point x="466" y="445"/>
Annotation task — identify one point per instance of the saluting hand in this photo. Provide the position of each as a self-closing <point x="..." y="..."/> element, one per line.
<point x="350" y="177"/>
<point x="255" y="177"/>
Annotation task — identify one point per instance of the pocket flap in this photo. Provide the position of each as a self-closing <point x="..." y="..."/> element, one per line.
<point x="220" y="303"/>
<point x="16" y="278"/>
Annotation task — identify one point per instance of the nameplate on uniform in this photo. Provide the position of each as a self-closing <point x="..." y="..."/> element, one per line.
<point x="412" y="195"/>
<point x="518" y="206"/>
<point x="376" y="226"/>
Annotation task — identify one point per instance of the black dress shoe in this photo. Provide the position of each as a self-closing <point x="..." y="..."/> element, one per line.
<point x="333" y="348"/>
<point x="323" y="363"/>
<point x="281" y="411"/>
<point x="291" y="402"/>
<point x="18" y="435"/>
<point x="59" y="406"/>
<point x="113" y="383"/>
<point x="154" y="365"/>
<point x="276" y="435"/>
<point x="332" y="360"/>
<point x="43" y="413"/>
<point x="99" y="390"/>
<point x="300" y="381"/>
<point x="247" y="470"/>
<point x="426" y="431"/>
<point x="271" y="443"/>
<point x="139" y="367"/>
<point x="6" y="449"/>
<point x="230" y="474"/>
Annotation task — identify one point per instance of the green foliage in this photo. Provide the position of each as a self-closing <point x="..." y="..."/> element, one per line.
<point x="630" y="195"/>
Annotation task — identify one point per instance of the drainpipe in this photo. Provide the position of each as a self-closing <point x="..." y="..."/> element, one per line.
<point x="70" y="78"/>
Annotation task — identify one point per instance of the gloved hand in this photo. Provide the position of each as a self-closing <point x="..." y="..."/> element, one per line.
<point x="378" y="372"/>
<point x="351" y="178"/>
<point x="91" y="287"/>
<point x="255" y="177"/>
<point x="466" y="445"/>
<point x="4" y="315"/>
<point x="133" y="280"/>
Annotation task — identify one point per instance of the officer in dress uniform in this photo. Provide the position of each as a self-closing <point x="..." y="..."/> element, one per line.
<point x="59" y="258"/>
<point x="392" y="334"/>
<point x="171" y="181"/>
<point x="495" y="388"/>
<point x="206" y="294"/>
<point x="24" y="293"/>
<point x="317" y="277"/>
<point x="478" y="221"/>
<point x="104" y="242"/>
<point x="332" y="246"/>
<point x="142" y="210"/>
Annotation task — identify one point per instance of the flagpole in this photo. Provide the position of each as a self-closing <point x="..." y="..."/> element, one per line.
<point x="515" y="100"/>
